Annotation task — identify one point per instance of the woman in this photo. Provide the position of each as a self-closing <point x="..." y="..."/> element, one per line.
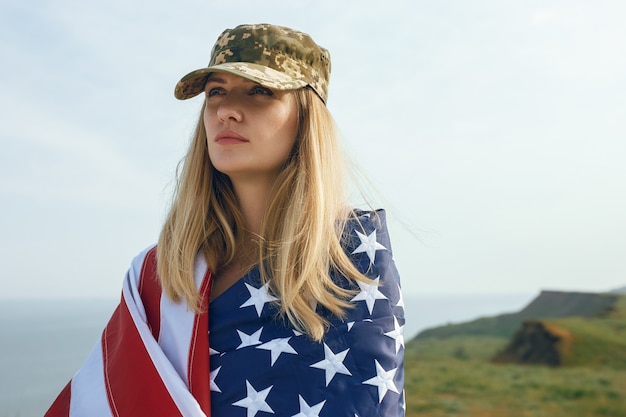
<point x="298" y="293"/>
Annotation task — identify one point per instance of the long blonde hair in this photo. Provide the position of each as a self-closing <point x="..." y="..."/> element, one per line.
<point x="300" y="238"/>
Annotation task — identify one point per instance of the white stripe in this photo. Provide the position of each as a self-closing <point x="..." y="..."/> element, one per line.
<point x="177" y="386"/>
<point x="177" y="326"/>
<point x="89" y="396"/>
<point x="134" y="274"/>
<point x="175" y="334"/>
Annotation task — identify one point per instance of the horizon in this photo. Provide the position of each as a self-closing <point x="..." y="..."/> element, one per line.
<point x="450" y="294"/>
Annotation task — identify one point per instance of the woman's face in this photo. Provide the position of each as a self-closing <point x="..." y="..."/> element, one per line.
<point x="250" y="129"/>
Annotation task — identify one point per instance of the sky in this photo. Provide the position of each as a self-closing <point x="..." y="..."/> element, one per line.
<point x="492" y="132"/>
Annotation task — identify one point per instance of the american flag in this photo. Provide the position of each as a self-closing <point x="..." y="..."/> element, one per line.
<point x="152" y="359"/>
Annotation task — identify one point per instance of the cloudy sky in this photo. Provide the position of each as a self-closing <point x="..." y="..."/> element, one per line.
<point x="493" y="132"/>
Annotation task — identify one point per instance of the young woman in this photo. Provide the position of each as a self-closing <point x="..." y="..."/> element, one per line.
<point x="266" y="294"/>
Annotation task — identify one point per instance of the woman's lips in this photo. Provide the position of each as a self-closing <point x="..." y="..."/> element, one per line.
<point x="228" y="137"/>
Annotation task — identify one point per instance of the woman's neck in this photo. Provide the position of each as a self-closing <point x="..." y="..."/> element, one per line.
<point x="253" y="197"/>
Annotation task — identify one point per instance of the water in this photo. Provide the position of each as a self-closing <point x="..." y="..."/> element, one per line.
<point x="43" y="342"/>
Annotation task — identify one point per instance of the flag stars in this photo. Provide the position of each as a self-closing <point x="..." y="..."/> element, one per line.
<point x="369" y="245"/>
<point x="401" y="299"/>
<point x="277" y="347"/>
<point x="369" y="293"/>
<point x="249" y="339"/>
<point x="332" y="363"/>
<point x="259" y="349"/>
<point x="397" y="334"/>
<point x="258" y="298"/>
<point x="384" y="381"/>
<point x="254" y="401"/>
<point x="308" y="411"/>
<point x="214" y="373"/>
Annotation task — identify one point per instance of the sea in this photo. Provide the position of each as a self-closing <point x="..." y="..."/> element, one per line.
<point x="44" y="341"/>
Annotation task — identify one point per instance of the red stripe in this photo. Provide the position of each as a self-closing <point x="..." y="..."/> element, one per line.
<point x="198" y="370"/>
<point x="61" y="406"/>
<point x="134" y="386"/>
<point x="150" y="291"/>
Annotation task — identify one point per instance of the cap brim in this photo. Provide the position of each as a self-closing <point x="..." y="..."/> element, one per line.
<point x="193" y="83"/>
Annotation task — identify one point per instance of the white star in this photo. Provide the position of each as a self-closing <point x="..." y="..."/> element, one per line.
<point x="276" y="347"/>
<point x="350" y="324"/>
<point x="383" y="380"/>
<point x="369" y="245"/>
<point x="401" y="300"/>
<point x="254" y="401"/>
<point x="258" y="298"/>
<point x="308" y="411"/>
<point x="214" y="373"/>
<point x="249" y="339"/>
<point x="369" y="293"/>
<point x="397" y="334"/>
<point x="213" y="351"/>
<point x="332" y="364"/>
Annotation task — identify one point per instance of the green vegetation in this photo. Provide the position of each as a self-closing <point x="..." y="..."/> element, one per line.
<point x="500" y="326"/>
<point x="453" y="387"/>
<point x="451" y="374"/>
<point x="595" y="342"/>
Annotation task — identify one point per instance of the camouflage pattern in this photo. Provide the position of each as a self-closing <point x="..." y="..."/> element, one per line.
<point x="273" y="56"/>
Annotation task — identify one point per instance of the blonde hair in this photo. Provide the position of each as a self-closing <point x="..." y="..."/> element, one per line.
<point x="300" y="238"/>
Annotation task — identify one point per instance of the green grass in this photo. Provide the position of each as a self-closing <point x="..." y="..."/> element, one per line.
<point x="457" y="347"/>
<point x="454" y="387"/>
<point x="499" y="326"/>
<point x="595" y="342"/>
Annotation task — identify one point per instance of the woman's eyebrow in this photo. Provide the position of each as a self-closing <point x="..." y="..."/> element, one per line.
<point x="216" y="79"/>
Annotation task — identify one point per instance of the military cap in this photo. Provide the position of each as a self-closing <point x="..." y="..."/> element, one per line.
<point x="273" y="56"/>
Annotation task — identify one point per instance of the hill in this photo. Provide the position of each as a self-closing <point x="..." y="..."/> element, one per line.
<point x="548" y="304"/>
<point x="556" y="328"/>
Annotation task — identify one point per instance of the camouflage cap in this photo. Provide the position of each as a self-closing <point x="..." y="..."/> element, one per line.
<point x="273" y="56"/>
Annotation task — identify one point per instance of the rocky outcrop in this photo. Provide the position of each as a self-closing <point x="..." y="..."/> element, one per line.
<point x="537" y="342"/>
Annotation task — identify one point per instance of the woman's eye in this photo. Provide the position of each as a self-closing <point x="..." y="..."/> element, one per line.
<point x="213" y="92"/>
<point x="261" y="90"/>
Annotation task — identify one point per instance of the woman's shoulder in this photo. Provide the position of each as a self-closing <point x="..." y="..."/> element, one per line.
<point x="146" y="252"/>
<point x="366" y="231"/>
<point x="138" y="262"/>
<point x="366" y="242"/>
<point x="368" y="214"/>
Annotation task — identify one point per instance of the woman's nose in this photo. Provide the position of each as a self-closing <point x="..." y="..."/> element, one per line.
<point x="230" y="109"/>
